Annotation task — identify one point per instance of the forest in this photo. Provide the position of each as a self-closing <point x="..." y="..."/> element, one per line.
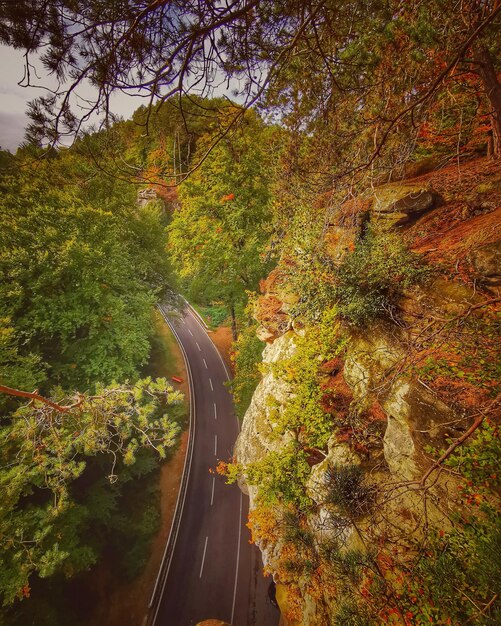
<point x="324" y="178"/>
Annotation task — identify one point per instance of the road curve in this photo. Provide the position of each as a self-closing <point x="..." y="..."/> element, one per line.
<point x="211" y="571"/>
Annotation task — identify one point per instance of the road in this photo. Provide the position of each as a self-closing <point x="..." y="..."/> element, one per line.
<point x="212" y="572"/>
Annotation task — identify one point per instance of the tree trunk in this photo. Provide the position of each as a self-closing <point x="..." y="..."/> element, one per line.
<point x="233" y="323"/>
<point x="492" y="89"/>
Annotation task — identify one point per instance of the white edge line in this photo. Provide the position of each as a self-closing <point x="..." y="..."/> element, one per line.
<point x="196" y="313"/>
<point x="238" y="428"/>
<point x="212" y="495"/>
<point x="203" y="557"/>
<point x="186" y="469"/>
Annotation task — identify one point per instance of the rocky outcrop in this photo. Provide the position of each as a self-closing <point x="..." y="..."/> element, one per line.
<point x="146" y="195"/>
<point x="401" y="205"/>
<point x="379" y="394"/>
<point x="255" y="439"/>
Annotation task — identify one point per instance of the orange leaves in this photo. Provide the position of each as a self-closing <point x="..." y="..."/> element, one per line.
<point x="263" y="525"/>
<point x="222" y="468"/>
<point x="228" y="197"/>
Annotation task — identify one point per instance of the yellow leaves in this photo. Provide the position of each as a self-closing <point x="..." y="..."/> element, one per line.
<point x="263" y="524"/>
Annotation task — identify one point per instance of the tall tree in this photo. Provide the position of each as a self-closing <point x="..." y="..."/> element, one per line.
<point x="82" y="266"/>
<point x="217" y="237"/>
<point x="46" y="447"/>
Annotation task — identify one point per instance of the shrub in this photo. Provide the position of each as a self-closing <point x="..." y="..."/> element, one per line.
<point x="370" y="278"/>
<point x="349" y="490"/>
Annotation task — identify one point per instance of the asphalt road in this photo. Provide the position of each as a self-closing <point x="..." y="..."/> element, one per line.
<point x="214" y="572"/>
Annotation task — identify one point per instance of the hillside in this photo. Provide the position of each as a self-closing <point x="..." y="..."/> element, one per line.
<point x="320" y="178"/>
<point x="370" y="449"/>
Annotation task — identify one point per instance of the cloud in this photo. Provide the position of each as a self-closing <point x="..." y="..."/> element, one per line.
<point x="12" y="126"/>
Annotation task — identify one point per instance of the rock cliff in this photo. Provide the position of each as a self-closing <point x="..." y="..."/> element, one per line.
<point x="400" y="394"/>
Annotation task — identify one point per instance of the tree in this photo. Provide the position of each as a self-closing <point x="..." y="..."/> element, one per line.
<point x="82" y="268"/>
<point x="320" y="61"/>
<point x="45" y="447"/>
<point x="218" y="236"/>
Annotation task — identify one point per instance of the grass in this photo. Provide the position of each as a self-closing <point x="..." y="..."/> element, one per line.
<point x="214" y="315"/>
<point x="165" y="359"/>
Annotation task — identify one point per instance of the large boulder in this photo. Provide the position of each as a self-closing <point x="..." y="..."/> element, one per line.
<point x="487" y="263"/>
<point x="399" y="205"/>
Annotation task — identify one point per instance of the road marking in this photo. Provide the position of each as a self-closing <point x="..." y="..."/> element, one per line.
<point x="215" y="411"/>
<point x="190" y="332"/>
<point x="211" y="385"/>
<point x="165" y="566"/>
<point x="199" y="348"/>
<point x="215" y="445"/>
<point x="212" y="496"/>
<point x="182" y="319"/>
<point x="205" y="363"/>
<point x="203" y="557"/>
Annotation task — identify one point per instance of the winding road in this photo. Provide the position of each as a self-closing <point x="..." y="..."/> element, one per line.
<point x="210" y="571"/>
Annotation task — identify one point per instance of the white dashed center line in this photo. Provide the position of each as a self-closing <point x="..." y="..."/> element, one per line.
<point x="215" y="411"/>
<point x="215" y="445"/>
<point x="211" y="385"/>
<point x="190" y="332"/>
<point x="203" y="557"/>
<point x="205" y="363"/>
<point x="212" y="495"/>
<point x="199" y="348"/>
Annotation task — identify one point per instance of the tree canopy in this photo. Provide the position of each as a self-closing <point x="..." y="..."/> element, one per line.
<point x="218" y="238"/>
<point x="321" y="62"/>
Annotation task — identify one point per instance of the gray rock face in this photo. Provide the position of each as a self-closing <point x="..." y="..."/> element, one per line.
<point x="255" y="440"/>
<point x="487" y="263"/>
<point x="146" y="195"/>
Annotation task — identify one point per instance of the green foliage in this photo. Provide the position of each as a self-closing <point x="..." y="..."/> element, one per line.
<point x="351" y="614"/>
<point x="478" y="462"/>
<point x="247" y="355"/>
<point x="458" y="574"/>
<point x="215" y="314"/>
<point x="455" y="578"/>
<point x="18" y="370"/>
<point x="280" y="477"/>
<point x="369" y="279"/>
<point x="134" y="525"/>
<point x="303" y="413"/>
<point x="468" y="353"/>
<point x="81" y="270"/>
<point x="45" y="518"/>
<point x="216" y="239"/>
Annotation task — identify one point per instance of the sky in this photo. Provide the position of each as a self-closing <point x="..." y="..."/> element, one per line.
<point x="14" y="99"/>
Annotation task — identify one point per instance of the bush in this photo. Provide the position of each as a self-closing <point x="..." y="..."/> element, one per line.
<point x="370" y="278"/>
<point x="349" y="490"/>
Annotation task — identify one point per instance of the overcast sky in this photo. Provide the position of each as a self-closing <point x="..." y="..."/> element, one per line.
<point x="14" y="99"/>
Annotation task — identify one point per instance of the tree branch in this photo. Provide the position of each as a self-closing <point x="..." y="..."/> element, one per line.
<point x="33" y="395"/>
